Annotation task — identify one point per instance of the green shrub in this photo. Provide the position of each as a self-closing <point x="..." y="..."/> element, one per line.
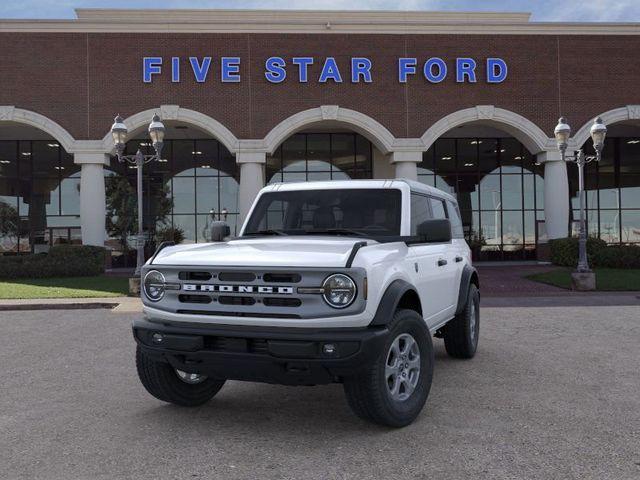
<point x="618" y="256"/>
<point x="61" y="261"/>
<point x="564" y="251"/>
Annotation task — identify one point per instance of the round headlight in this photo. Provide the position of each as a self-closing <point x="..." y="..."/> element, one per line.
<point x="154" y="285"/>
<point x="339" y="290"/>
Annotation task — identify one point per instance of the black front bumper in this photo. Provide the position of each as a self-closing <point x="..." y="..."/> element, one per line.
<point x="285" y="356"/>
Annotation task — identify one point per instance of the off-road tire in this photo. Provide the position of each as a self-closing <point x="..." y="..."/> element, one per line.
<point x="367" y="393"/>
<point x="161" y="381"/>
<point x="458" y="338"/>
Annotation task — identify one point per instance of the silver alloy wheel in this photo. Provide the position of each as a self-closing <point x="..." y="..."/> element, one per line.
<point x="473" y="322"/>
<point x="191" y="378"/>
<point x="402" y="367"/>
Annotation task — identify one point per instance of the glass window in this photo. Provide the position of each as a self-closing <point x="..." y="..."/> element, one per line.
<point x="512" y="192"/>
<point x="420" y="211"/>
<point x="488" y="149"/>
<point x="374" y="212"/>
<point x="437" y="208"/>
<point x="456" y="222"/>
<point x="445" y="156"/>
<point x="630" y="222"/>
<point x="319" y="157"/>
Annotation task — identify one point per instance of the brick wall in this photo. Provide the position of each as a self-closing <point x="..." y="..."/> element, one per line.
<point x="82" y="80"/>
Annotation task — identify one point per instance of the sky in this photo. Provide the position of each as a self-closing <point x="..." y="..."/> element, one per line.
<point x="542" y="10"/>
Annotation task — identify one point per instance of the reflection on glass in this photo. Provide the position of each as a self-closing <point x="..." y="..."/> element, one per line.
<point x="630" y="222"/>
<point x="320" y="156"/>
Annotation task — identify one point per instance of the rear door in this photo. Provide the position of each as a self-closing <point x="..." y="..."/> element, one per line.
<point x="448" y="265"/>
<point x="423" y="264"/>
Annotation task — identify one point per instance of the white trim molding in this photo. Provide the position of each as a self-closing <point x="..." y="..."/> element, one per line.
<point x="527" y="132"/>
<point x="10" y="113"/>
<point x="363" y="124"/>
<point x="179" y="114"/>
<point x="629" y="112"/>
<point x="309" y="21"/>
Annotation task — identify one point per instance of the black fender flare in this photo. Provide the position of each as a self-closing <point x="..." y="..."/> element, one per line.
<point x="389" y="302"/>
<point x="469" y="275"/>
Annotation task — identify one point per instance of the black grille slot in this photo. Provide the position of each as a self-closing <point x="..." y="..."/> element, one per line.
<point x="282" y="302"/>
<point x="194" y="298"/>
<point x="238" y="314"/>
<point x="234" y="344"/>
<point x="228" y="300"/>
<point x="282" y="277"/>
<point x="258" y="345"/>
<point x="197" y="276"/>
<point x="237" y="276"/>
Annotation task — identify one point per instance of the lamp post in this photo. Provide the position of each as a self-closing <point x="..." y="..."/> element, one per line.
<point x="562" y="133"/>
<point x="119" y="133"/>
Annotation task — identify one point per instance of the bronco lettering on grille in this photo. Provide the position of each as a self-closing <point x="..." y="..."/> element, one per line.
<point x="191" y="287"/>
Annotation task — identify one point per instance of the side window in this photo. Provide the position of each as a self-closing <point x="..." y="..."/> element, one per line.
<point x="437" y="206"/>
<point x="457" y="230"/>
<point x="419" y="211"/>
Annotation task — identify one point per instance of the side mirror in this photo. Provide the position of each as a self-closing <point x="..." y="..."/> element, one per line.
<point x="219" y="231"/>
<point x="435" y="231"/>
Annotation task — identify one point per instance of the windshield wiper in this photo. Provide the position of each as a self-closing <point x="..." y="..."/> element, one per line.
<point x="265" y="232"/>
<point x="337" y="231"/>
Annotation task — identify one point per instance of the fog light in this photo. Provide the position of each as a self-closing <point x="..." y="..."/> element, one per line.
<point x="329" y="348"/>
<point x="157" y="338"/>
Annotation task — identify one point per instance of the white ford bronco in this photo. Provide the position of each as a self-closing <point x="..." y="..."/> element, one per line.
<point x="341" y="281"/>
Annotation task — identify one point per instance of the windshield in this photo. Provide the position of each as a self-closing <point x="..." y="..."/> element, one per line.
<point x="354" y="212"/>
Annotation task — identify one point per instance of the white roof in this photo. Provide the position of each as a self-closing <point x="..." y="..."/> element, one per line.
<point x="398" y="183"/>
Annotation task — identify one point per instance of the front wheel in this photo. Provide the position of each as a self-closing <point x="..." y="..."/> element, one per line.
<point x="394" y="388"/>
<point x="175" y="386"/>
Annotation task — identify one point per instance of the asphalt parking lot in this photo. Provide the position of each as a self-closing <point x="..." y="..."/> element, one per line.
<point x="553" y="392"/>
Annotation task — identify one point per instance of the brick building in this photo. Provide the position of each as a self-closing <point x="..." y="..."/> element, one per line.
<point x="463" y="101"/>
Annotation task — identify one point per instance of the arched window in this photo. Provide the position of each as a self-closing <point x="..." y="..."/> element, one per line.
<point x="198" y="176"/>
<point x="320" y="156"/>
<point x="499" y="190"/>
<point x="39" y="196"/>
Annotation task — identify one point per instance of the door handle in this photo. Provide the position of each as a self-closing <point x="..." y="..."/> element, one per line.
<point x="442" y="262"/>
<point x="458" y="259"/>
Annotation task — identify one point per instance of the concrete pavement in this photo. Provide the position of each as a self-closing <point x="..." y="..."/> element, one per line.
<point x="552" y="393"/>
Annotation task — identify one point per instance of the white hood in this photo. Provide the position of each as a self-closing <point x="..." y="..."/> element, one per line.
<point x="286" y="251"/>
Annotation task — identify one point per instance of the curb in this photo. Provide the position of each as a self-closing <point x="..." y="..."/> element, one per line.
<point x="56" y="306"/>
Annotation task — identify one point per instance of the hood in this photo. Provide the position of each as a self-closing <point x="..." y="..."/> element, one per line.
<point x="288" y="251"/>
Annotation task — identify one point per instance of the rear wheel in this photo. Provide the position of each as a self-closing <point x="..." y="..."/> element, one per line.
<point x="175" y="386"/>
<point x="461" y="334"/>
<point x="394" y="388"/>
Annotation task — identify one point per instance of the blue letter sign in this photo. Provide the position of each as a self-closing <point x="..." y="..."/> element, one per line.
<point x="330" y="71"/>
<point x="434" y="69"/>
<point x="275" y="69"/>
<point x="496" y="70"/>
<point x="200" y="71"/>
<point x="151" y="66"/>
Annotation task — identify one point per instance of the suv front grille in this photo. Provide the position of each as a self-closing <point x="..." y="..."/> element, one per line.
<point x="270" y="292"/>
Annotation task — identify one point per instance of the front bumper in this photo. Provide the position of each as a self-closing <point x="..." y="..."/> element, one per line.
<point x="288" y="356"/>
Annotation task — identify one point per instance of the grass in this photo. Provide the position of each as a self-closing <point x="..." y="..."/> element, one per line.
<point x="607" y="279"/>
<point x="72" y="287"/>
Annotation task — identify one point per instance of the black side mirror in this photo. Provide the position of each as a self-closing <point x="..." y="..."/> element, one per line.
<point x="437" y="230"/>
<point x="219" y="231"/>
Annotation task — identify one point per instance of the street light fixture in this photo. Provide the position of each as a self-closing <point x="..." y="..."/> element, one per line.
<point x="119" y="133"/>
<point x="598" y="133"/>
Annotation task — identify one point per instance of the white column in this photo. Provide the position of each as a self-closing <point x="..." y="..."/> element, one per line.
<point x="406" y="164"/>
<point x="556" y="194"/>
<point x="251" y="179"/>
<point x="92" y="197"/>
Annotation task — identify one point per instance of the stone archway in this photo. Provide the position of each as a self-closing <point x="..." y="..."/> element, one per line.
<point x="178" y="114"/>
<point x="521" y="128"/>
<point x="363" y="124"/>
